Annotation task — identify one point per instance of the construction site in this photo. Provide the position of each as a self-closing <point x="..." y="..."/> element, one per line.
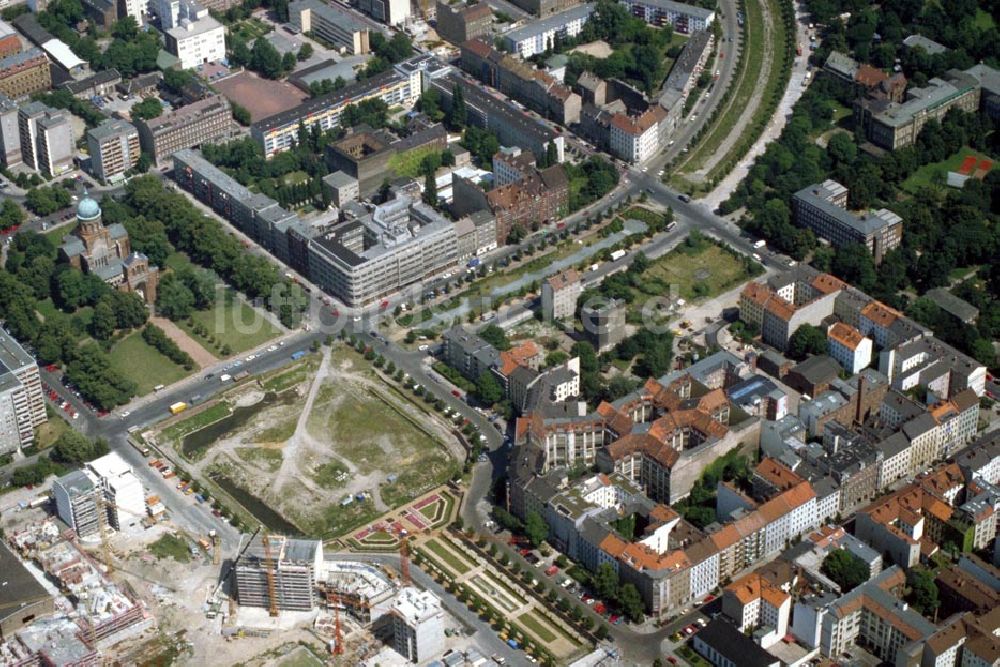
<point x="316" y="449"/>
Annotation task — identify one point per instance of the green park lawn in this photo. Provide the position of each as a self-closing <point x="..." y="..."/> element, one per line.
<point x="138" y="361"/>
<point x="408" y="163"/>
<point x="714" y="268"/>
<point x="933" y="175"/>
<point x="233" y="323"/>
<point x="171" y="546"/>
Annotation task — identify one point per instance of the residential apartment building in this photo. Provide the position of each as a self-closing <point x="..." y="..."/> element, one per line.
<point x="539" y="199"/>
<point x="753" y="602"/>
<point x="290" y="564"/>
<point x="197" y="38"/>
<point x="47" y="144"/>
<point x="417" y="625"/>
<point x="396" y="87"/>
<point x="10" y="134"/>
<point x="25" y="73"/>
<point x="684" y="18"/>
<point x="205" y="121"/>
<point x="822" y="208"/>
<point x="963" y="641"/>
<point x="279" y="231"/>
<point x="892" y="125"/>
<point x="872" y="614"/>
<point x="331" y="23"/>
<point x="848" y="347"/>
<point x="519" y="80"/>
<point x="114" y="149"/>
<point x="460" y="22"/>
<point x="559" y="295"/>
<point x="540" y="36"/>
<point x="390" y="12"/>
<point x="469" y="354"/>
<point x="931" y="363"/>
<point x="476" y="234"/>
<point x="512" y="126"/>
<point x="125" y="499"/>
<point x="635" y="139"/>
<point x="77" y="497"/>
<point x="22" y="404"/>
<point x="723" y="645"/>
<point x="400" y="243"/>
<point x="783" y="304"/>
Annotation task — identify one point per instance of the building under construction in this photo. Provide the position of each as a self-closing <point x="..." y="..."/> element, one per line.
<point x="364" y="591"/>
<point x="278" y="573"/>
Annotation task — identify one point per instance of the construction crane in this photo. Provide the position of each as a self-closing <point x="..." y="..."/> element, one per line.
<point x="338" y="633"/>
<point x="404" y="563"/>
<point x="270" y="565"/>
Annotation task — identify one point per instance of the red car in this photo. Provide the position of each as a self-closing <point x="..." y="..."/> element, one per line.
<point x="552" y="570"/>
<point x="672" y="660"/>
<point x="456" y="393"/>
<point x="709" y="597"/>
<point x="524" y="552"/>
<point x="383" y="305"/>
<point x="52" y="368"/>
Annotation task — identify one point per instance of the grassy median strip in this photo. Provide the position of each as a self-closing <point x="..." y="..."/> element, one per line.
<point x="449" y="557"/>
<point x="532" y="623"/>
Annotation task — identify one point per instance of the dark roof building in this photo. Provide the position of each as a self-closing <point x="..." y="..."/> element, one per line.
<point x="22" y="598"/>
<point x="725" y="646"/>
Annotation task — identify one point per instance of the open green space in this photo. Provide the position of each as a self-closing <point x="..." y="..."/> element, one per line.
<point x="171" y="546"/>
<point x="291" y="375"/>
<point x="934" y="175"/>
<point x="984" y="20"/>
<point x="296" y="178"/>
<point x="195" y="422"/>
<point x="48" y="310"/>
<point x="537" y="627"/>
<point x="337" y="520"/>
<point x="329" y="475"/>
<point x="706" y="273"/>
<point x="301" y="657"/>
<point x="448" y="557"/>
<point x="177" y="261"/>
<point x="49" y="432"/>
<point x="232" y="322"/>
<point x="249" y="29"/>
<point x="137" y="360"/>
<point x="408" y="163"/>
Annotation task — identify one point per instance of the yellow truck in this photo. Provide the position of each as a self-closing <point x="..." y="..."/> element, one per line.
<point x="178" y="408"/>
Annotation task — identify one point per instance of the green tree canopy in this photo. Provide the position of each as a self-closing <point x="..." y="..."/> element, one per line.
<point x="845" y="569"/>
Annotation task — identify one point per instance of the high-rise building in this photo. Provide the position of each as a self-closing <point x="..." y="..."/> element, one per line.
<point x="47" y="144"/>
<point x="417" y="625"/>
<point x="10" y="135"/>
<point x="114" y="149"/>
<point x="390" y="12"/>
<point x="22" y="405"/>
<point x="332" y="23"/>
<point x="293" y="564"/>
<point x="604" y="324"/>
<point x="123" y="493"/>
<point x="196" y="38"/>
<point x="77" y="496"/>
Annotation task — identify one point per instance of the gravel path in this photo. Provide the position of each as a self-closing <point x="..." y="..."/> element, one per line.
<point x="201" y="356"/>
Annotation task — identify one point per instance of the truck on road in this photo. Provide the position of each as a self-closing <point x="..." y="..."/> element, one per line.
<point x="617" y="254"/>
<point x="298" y="355"/>
<point x="178" y="407"/>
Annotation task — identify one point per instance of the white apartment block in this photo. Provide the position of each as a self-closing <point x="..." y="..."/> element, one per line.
<point x="123" y="492"/>
<point x="134" y="8"/>
<point x="418" y="625"/>
<point x="636" y="139"/>
<point x="539" y="36"/>
<point x="560" y="294"/>
<point x="22" y="404"/>
<point x="685" y="19"/>
<point x="848" y="347"/>
<point x="197" y="38"/>
<point x="77" y="497"/>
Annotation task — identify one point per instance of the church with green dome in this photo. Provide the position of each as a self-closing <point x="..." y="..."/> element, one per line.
<point x="107" y="252"/>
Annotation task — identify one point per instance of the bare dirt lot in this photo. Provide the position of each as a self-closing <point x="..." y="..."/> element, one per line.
<point x="334" y="447"/>
<point x="262" y="98"/>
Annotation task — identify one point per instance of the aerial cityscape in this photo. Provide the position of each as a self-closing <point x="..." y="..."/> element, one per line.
<point x="500" y="332"/>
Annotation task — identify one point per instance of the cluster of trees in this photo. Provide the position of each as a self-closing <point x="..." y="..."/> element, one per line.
<point x="208" y="244"/>
<point x="184" y="291"/>
<point x="11" y="215"/>
<point x="63" y="99"/>
<point x="601" y="178"/>
<point x="639" y="49"/>
<point x="483" y="144"/>
<point x="372" y="112"/>
<point x="90" y="371"/>
<point x="387" y="52"/>
<point x="245" y="9"/>
<point x="262" y="58"/>
<point x="699" y="506"/>
<point x="147" y="109"/>
<point x="131" y="51"/>
<point x="74" y="447"/>
<point x="845" y="569"/>
<point x="807" y="340"/>
<point x="325" y="87"/>
<point x="953" y="24"/>
<point x="496" y="337"/>
<point x="46" y="200"/>
<point x="931" y="247"/>
<point x="976" y="339"/>
<point x="625" y="596"/>
<point x="922" y="592"/>
<point x="165" y="345"/>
